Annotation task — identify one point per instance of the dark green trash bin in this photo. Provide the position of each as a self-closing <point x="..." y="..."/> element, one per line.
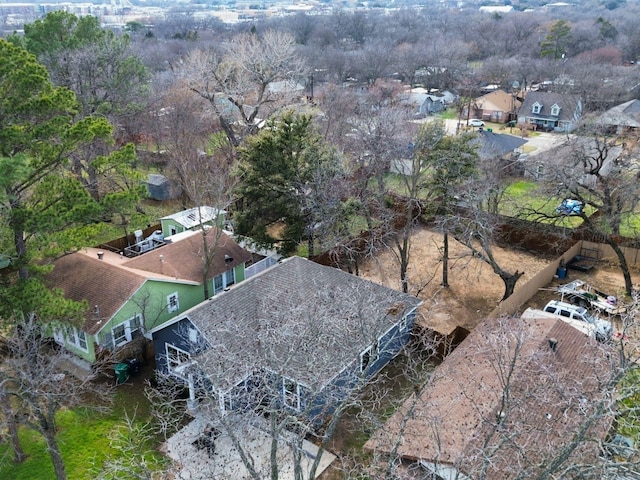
<point x="122" y="372"/>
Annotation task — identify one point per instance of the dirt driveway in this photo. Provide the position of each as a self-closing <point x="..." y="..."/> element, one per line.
<point x="475" y="289"/>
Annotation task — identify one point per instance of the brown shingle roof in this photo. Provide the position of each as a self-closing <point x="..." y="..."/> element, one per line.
<point x="99" y="283"/>
<point x="110" y="282"/>
<point x="184" y="259"/>
<point x="305" y="320"/>
<point x="465" y="416"/>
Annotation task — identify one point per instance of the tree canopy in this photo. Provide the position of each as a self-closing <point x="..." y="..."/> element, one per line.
<point x="288" y="175"/>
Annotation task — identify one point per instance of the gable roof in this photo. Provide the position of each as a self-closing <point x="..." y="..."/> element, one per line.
<point x="498" y="101"/>
<point x="568" y="103"/>
<point x="85" y="278"/>
<point x="626" y="114"/>
<point x="494" y="145"/>
<point x="461" y="410"/>
<point x="194" y="216"/>
<point x="110" y="282"/>
<point x="301" y="319"/>
<point x="184" y="259"/>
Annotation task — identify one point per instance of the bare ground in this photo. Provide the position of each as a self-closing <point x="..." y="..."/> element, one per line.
<point x="474" y="289"/>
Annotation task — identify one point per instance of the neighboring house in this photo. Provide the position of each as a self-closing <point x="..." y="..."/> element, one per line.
<point x="190" y="219"/>
<point x="126" y="297"/>
<point x="563" y="161"/>
<point x="511" y="397"/>
<point x="424" y="103"/>
<point x="299" y="334"/>
<point x="498" y="145"/>
<point x="625" y="116"/>
<point x="497" y="106"/>
<point x="551" y="111"/>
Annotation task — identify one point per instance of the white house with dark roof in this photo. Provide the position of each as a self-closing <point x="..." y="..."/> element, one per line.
<point x="299" y="334"/>
<point x="551" y="111"/>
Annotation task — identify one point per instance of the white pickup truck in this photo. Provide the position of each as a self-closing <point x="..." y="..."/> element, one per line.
<point x="575" y="316"/>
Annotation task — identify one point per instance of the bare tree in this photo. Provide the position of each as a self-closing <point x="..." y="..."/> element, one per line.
<point x="524" y="410"/>
<point x="282" y="393"/>
<point x="246" y="81"/>
<point x="36" y="388"/>
<point x="603" y="175"/>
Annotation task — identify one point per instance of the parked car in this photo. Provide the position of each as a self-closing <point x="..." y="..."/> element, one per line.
<point x="570" y="207"/>
<point x="603" y="328"/>
<point x="588" y="329"/>
<point x="474" y="122"/>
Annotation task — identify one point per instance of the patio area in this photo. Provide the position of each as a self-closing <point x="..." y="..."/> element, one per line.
<point x="203" y="454"/>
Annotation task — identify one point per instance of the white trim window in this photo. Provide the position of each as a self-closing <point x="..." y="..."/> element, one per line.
<point x="72" y="336"/>
<point x="536" y="108"/>
<point x="123" y="332"/>
<point x="291" y="393"/>
<point x="555" y="110"/>
<point x="175" y="357"/>
<point x="77" y="338"/>
<point x="224" y="280"/>
<point x="173" y="303"/>
<point x="368" y="357"/>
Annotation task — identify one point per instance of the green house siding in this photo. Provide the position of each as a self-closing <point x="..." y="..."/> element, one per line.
<point x="68" y="337"/>
<point x="171" y="227"/>
<point x="154" y="303"/>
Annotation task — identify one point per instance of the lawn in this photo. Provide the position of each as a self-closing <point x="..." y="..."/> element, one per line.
<point x="85" y="441"/>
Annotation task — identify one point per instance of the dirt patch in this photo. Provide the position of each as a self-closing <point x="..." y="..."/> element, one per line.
<point x="474" y="289"/>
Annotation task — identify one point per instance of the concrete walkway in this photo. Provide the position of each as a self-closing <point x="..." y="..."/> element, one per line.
<point x="224" y="462"/>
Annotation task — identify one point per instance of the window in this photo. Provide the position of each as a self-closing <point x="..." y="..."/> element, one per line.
<point x="72" y="336"/>
<point x="122" y="333"/>
<point x="173" y="230"/>
<point x="224" y="280"/>
<point x="291" y="393"/>
<point x="555" y="110"/>
<point x="218" y="284"/>
<point x="175" y="358"/>
<point x="172" y="302"/>
<point x="193" y="335"/>
<point x="230" y="277"/>
<point x="368" y="357"/>
<point x="536" y="108"/>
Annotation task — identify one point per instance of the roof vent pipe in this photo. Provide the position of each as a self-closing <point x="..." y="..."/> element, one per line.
<point x="100" y="255"/>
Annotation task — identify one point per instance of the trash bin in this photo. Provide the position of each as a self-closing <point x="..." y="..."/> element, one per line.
<point x="134" y="365"/>
<point x="122" y="372"/>
<point x="561" y="272"/>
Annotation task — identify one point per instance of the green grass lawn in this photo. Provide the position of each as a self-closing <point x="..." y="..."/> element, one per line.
<point x="84" y="437"/>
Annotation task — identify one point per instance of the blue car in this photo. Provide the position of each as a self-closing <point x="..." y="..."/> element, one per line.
<point x="570" y="207"/>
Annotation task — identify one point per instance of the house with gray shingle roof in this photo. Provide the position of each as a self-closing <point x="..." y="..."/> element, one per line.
<point x="127" y="297"/>
<point x="493" y="145"/>
<point x="299" y="334"/>
<point x="551" y="111"/>
<point x="510" y="400"/>
<point x="623" y="116"/>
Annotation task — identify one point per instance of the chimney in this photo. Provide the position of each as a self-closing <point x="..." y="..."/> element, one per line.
<point x="553" y="344"/>
<point x="100" y="255"/>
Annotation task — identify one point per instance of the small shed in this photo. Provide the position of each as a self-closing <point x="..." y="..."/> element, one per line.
<point x="161" y="188"/>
